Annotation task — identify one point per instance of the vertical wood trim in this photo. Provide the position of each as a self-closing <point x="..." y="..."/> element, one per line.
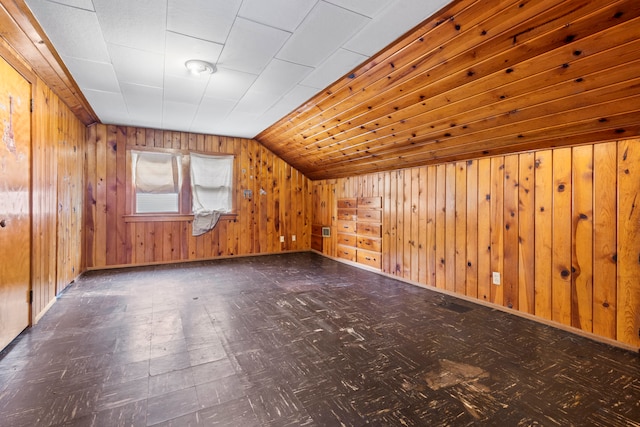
<point x="393" y="224"/>
<point x="423" y="251"/>
<point x="414" y="234"/>
<point x="484" y="229"/>
<point x="544" y="232"/>
<point x="401" y="248"/>
<point x="460" y="281"/>
<point x="582" y="234"/>
<point x="561" y="273"/>
<point x="121" y="177"/>
<point x="111" y="212"/>
<point x="431" y="225"/>
<point x="90" y="197"/>
<point x="526" y="234"/>
<point x="100" y="235"/>
<point x="472" y="229"/>
<point x="605" y="239"/>
<point x="407" y="211"/>
<point x="628" y="317"/>
<point x="450" y="227"/>
<point x="511" y="231"/>
<point x="440" y="194"/>
<point x="497" y="226"/>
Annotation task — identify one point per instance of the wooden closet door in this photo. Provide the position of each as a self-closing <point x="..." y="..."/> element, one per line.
<point x="15" y="218"/>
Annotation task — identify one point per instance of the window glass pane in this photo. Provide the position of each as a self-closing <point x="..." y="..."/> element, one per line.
<point x="156" y="203"/>
<point x="156" y="179"/>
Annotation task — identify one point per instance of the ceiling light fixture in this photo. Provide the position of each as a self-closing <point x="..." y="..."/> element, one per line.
<point x="197" y="67"/>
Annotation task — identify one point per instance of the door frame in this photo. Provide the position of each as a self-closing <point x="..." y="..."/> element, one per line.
<point x="21" y="68"/>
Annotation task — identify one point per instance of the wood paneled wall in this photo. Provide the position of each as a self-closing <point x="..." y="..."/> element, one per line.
<point x="561" y="226"/>
<point x="57" y="197"/>
<point x="280" y="204"/>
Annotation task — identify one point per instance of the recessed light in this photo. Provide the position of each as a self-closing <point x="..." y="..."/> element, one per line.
<point x="197" y="67"/>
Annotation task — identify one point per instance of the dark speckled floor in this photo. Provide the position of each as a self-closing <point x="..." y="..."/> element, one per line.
<point x="297" y="340"/>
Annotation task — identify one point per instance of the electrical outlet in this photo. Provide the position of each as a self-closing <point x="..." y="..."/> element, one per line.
<point x="281" y="239"/>
<point x="496" y="278"/>
<point x="293" y="238"/>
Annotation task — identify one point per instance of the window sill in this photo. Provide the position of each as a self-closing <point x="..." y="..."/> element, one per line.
<point x="170" y="217"/>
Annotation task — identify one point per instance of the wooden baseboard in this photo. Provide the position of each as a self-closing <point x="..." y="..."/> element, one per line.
<point x="566" y="328"/>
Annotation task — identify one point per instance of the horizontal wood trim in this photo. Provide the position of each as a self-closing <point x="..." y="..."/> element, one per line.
<point x="170" y="218"/>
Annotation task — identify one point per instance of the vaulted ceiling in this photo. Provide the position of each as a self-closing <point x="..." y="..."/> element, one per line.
<point x="477" y="78"/>
<point x="480" y="78"/>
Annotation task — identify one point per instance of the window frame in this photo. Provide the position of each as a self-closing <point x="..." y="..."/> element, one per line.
<point x="177" y="160"/>
<point x="184" y="196"/>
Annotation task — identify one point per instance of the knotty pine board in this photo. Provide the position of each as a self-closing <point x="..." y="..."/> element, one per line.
<point x="284" y="210"/>
<point x="546" y="220"/>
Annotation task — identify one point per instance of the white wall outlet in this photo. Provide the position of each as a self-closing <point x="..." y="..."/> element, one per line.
<point x="293" y="238"/>
<point x="281" y="239"/>
<point x="496" y="278"/>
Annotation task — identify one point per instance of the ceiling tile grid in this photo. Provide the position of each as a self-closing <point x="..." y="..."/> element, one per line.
<point x="128" y="57"/>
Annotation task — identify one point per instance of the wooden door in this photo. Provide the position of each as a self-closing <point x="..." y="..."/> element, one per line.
<point x="15" y="230"/>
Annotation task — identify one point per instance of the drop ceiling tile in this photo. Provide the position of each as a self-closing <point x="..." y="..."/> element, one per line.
<point x="144" y="103"/>
<point x="276" y="80"/>
<point x="283" y="14"/>
<point x="325" y="29"/>
<point x="92" y="75"/>
<point x="139" y="24"/>
<point x="395" y="20"/>
<point x="181" y="48"/>
<point x="205" y="19"/>
<point x="251" y="46"/>
<point x="189" y="89"/>
<point x="178" y="115"/>
<point x="211" y="112"/>
<point x="80" y="4"/>
<point x="137" y="66"/>
<point x="229" y="84"/>
<point x="368" y="8"/>
<point x="292" y="100"/>
<point x="240" y="125"/>
<point x="336" y="66"/>
<point x="74" y="32"/>
<point x="109" y="106"/>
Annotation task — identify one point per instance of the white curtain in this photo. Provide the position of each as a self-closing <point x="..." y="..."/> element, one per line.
<point x="157" y="182"/>
<point x="155" y="173"/>
<point x="211" y="190"/>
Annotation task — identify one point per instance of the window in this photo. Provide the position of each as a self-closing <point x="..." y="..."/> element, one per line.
<point x="211" y="183"/>
<point x="172" y="185"/>
<point x="211" y="190"/>
<point x="157" y="180"/>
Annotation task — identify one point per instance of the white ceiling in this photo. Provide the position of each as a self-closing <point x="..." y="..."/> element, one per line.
<point x="127" y="56"/>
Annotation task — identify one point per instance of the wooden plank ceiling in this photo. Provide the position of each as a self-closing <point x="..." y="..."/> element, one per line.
<point x="481" y="77"/>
